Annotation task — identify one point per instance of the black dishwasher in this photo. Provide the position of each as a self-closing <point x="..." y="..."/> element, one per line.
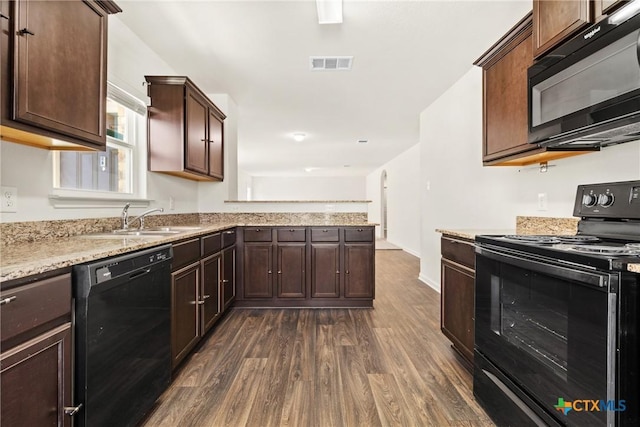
<point x="122" y="336"/>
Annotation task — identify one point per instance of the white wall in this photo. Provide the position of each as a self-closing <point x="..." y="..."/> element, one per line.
<point x="245" y="185"/>
<point x="308" y="188"/>
<point x="457" y="192"/>
<point x="403" y="199"/>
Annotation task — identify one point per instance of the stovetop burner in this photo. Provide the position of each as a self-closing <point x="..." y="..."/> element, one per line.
<point x="545" y="239"/>
<point x="607" y="250"/>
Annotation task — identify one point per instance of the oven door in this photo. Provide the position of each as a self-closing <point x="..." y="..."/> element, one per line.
<point x="550" y="329"/>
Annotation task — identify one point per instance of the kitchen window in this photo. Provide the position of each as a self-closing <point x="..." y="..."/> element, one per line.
<point x="115" y="173"/>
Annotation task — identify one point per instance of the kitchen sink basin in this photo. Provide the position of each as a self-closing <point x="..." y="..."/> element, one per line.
<point x="146" y="232"/>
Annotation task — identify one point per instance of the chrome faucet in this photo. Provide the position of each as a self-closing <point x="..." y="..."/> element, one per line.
<point x="144" y="214"/>
<point x="125" y="216"/>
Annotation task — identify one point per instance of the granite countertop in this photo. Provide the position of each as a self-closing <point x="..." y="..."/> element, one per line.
<point x="472" y="233"/>
<point x="25" y="259"/>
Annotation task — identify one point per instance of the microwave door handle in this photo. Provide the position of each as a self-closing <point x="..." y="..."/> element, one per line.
<point x="582" y="277"/>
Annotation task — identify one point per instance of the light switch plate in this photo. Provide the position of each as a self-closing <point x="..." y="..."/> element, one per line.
<point x="9" y="199"/>
<point x="542" y="201"/>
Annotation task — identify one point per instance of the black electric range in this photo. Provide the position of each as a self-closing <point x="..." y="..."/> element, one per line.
<point x="557" y="334"/>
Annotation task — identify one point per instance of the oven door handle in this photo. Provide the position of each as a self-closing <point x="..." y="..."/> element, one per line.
<point x="575" y="275"/>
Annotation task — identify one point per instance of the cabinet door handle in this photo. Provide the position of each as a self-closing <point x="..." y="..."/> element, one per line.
<point x="3" y="16"/>
<point x="279" y="272"/>
<point x="210" y="141"/>
<point x="226" y="281"/>
<point x="204" y="297"/>
<point x="25" y="31"/>
<point x="200" y="302"/>
<point x="269" y="271"/>
<point x="8" y="300"/>
<point x="337" y="271"/>
<point x="347" y="271"/>
<point x="72" y="410"/>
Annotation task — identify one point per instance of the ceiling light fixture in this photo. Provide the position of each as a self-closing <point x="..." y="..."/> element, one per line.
<point x="299" y="137"/>
<point x="329" y="11"/>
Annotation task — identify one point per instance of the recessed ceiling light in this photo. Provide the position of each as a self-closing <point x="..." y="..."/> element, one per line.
<point x="309" y="169"/>
<point x="299" y="136"/>
<point x="363" y="141"/>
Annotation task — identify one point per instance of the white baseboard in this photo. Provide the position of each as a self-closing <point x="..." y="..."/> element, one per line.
<point x="430" y="283"/>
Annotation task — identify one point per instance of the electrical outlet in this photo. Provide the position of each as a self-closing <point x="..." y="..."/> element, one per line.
<point x="542" y="201"/>
<point x="9" y="198"/>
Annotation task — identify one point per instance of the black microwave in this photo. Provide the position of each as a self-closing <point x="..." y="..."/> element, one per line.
<point x="586" y="92"/>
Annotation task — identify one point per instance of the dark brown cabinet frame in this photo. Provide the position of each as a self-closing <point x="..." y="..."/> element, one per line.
<point x="306" y="267"/>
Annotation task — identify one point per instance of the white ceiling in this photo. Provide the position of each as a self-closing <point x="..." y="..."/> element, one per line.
<point x="406" y="54"/>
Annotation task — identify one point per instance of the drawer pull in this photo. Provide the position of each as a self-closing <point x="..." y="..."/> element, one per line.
<point x="72" y="410"/>
<point x="229" y="232"/>
<point x="291" y="230"/>
<point x="257" y="230"/>
<point x="360" y="230"/>
<point x="325" y="231"/>
<point x="8" y="300"/>
<point x="25" y="31"/>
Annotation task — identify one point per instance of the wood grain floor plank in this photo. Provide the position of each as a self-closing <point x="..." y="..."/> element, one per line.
<point x="297" y="408"/>
<point x="392" y="408"/>
<point x="359" y="403"/>
<point x="328" y="406"/>
<point x="235" y="408"/>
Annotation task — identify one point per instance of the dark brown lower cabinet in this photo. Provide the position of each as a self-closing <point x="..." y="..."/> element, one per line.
<point x="185" y="311"/>
<point x="291" y="275"/>
<point x="211" y="298"/>
<point x="257" y="269"/>
<point x="359" y="270"/>
<point x="35" y="362"/>
<point x="457" y="295"/>
<point x="307" y="267"/>
<point x="325" y="270"/>
<point x="228" y="277"/>
<point x="202" y="286"/>
<point x="36" y="380"/>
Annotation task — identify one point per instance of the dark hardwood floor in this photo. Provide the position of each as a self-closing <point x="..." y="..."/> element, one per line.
<point x="386" y="366"/>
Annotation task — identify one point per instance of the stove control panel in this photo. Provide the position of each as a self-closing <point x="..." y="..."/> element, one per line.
<point x="616" y="200"/>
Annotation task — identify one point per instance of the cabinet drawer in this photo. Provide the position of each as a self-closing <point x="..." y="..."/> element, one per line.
<point x="211" y="244"/>
<point x="325" y="235"/>
<point x="459" y="251"/>
<point x="291" y="235"/>
<point x="364" y="234"/>
<point x="228" y="238"/>
<point x="185" y="253"/>
<point x="257" y="234"/>
<point x="34" y="304"/>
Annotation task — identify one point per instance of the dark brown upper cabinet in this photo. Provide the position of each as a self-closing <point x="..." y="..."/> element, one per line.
<point x="505" y="105"/>
<point x="556" y="21"/>
<point x="185" y="130"/>
<point x="54" y="73"/>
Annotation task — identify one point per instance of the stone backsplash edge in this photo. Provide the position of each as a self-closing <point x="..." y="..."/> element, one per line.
<point x="36" y="231"/>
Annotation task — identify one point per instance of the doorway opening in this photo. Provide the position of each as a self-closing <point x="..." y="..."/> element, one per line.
<point x="383" y="204"/>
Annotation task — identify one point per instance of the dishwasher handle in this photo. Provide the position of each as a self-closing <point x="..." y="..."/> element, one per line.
<point x="139" y="273"/>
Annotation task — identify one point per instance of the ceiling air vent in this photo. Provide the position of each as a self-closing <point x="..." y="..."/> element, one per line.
<point x="330" y="63"/>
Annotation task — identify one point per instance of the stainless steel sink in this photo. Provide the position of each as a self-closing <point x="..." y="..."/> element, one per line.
<point x="145" y="232"/>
